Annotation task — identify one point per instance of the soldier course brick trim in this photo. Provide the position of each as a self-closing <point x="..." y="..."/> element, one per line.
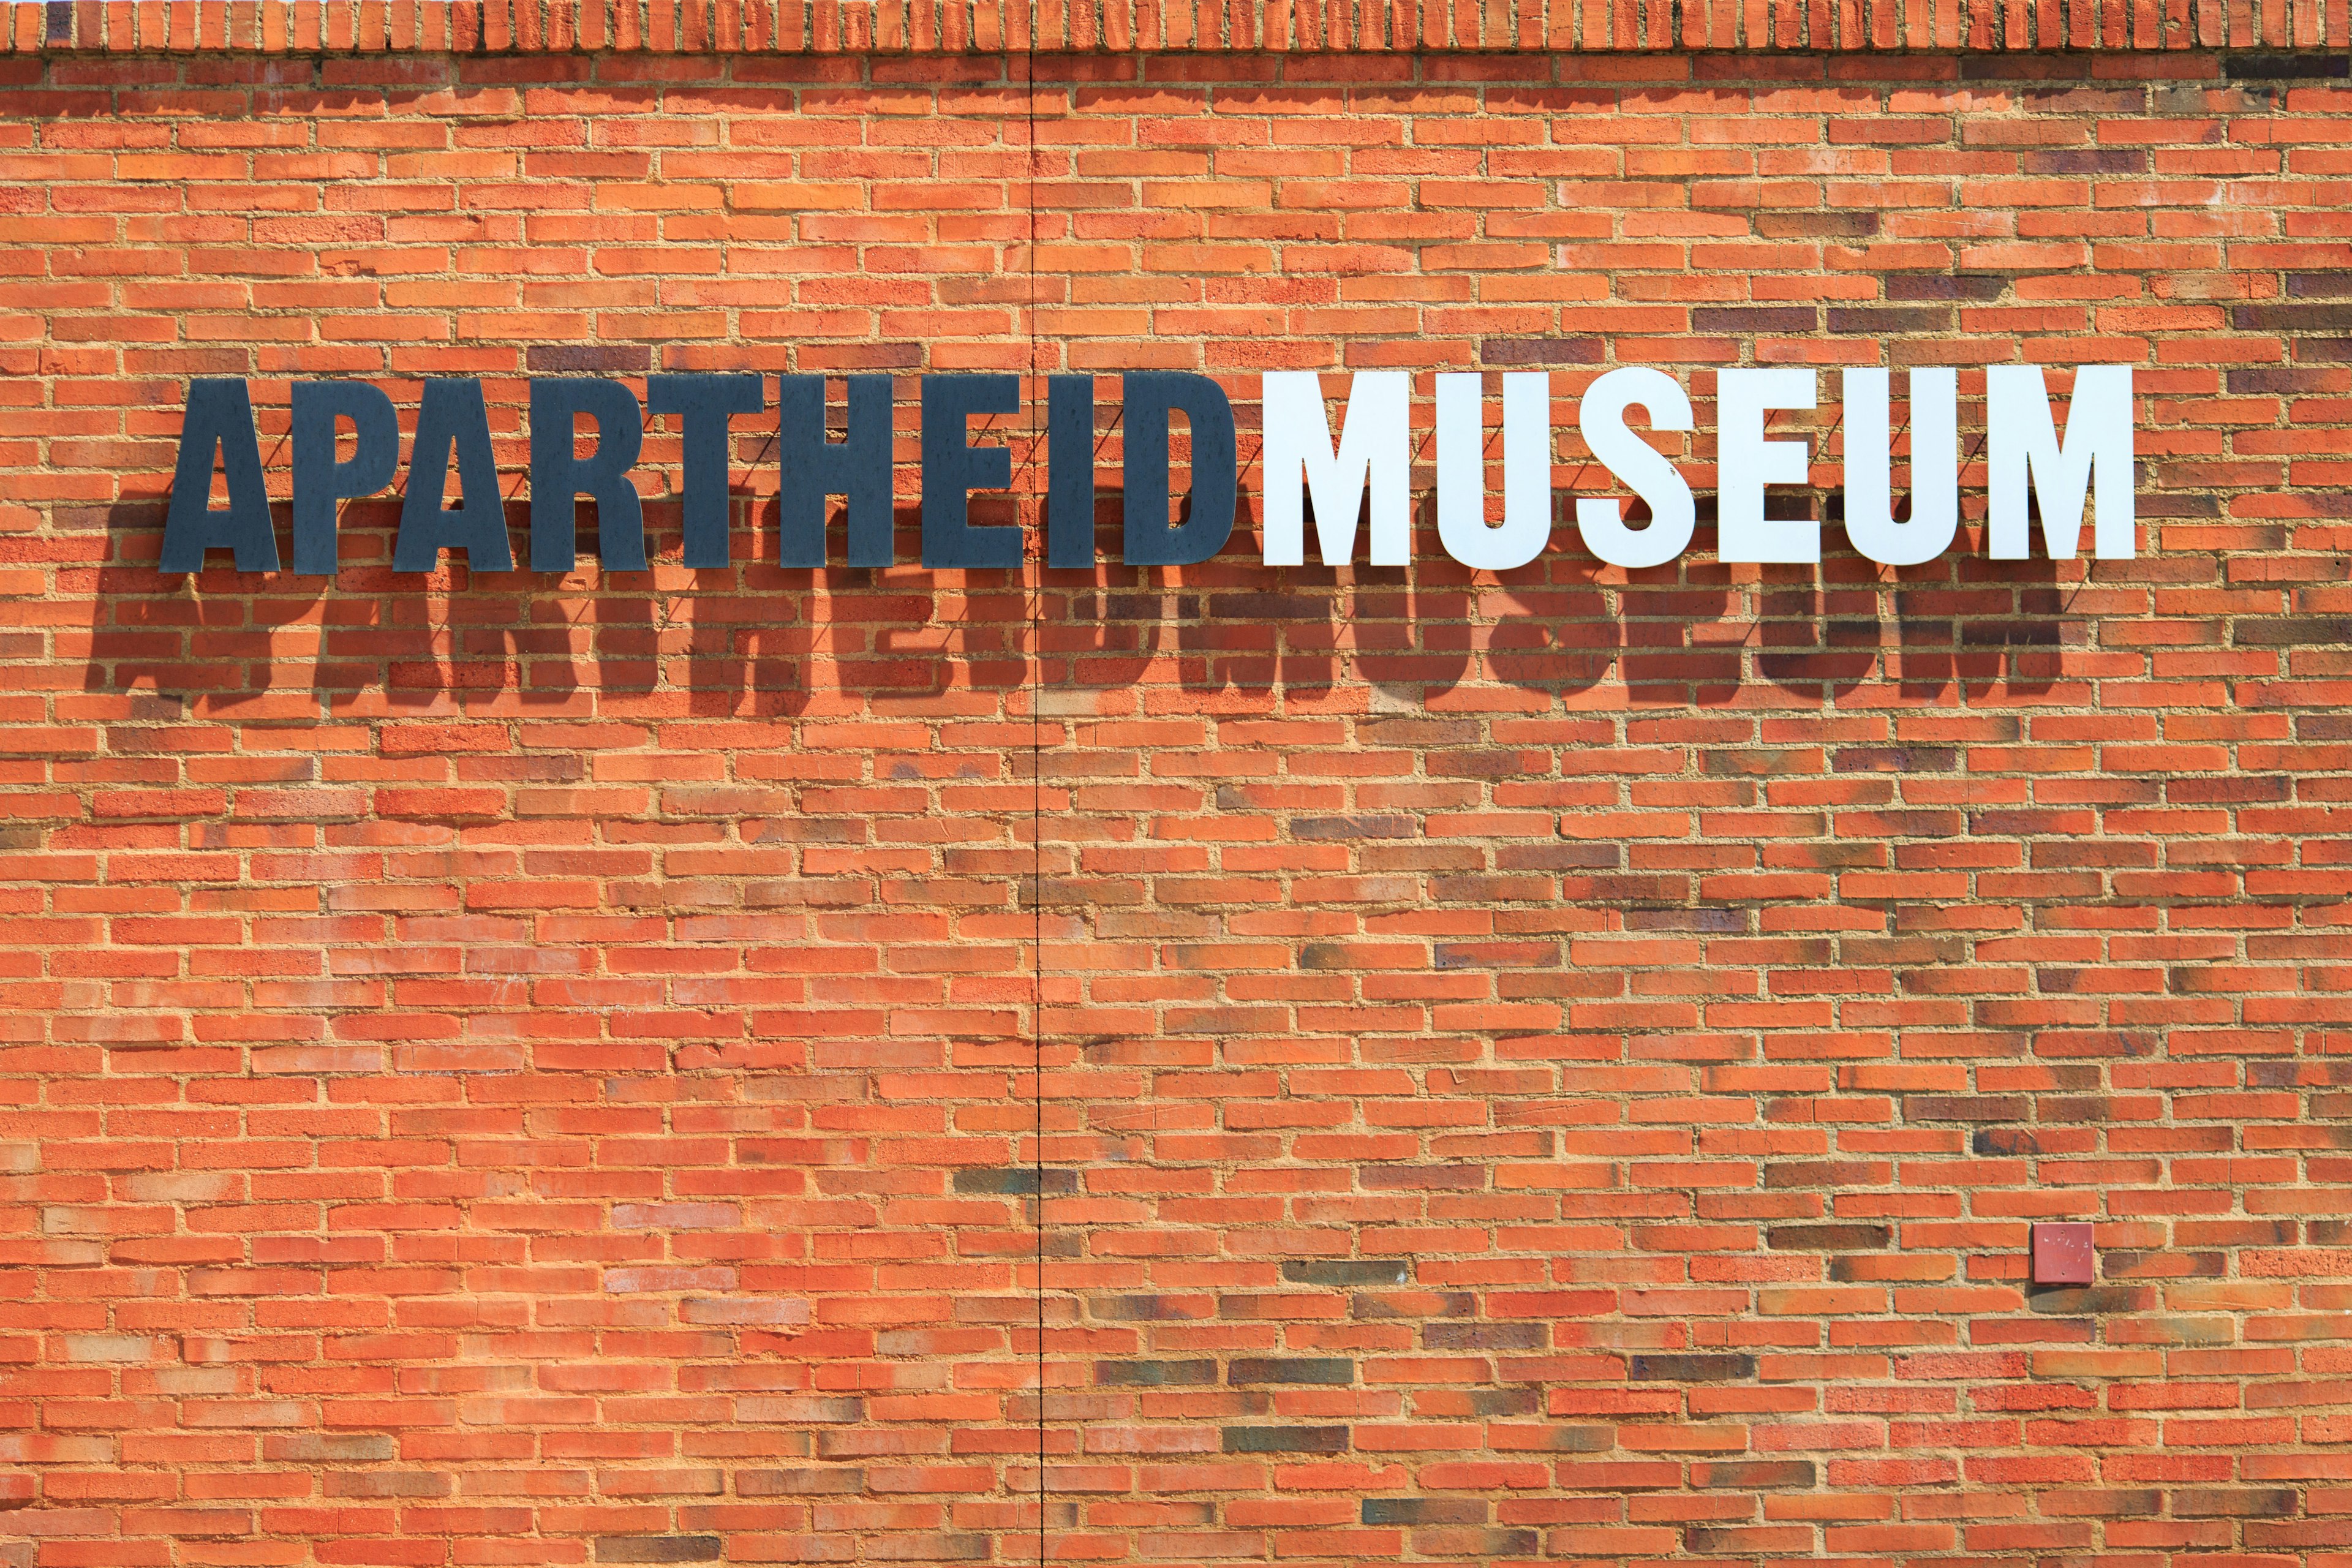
<point x="859" y="26"/>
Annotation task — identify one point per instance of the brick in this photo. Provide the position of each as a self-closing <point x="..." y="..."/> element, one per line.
<point x="1285" y="1440"/>
<point x="1689" y="1368"/>
<point x="1291" y="1369"/>
<point x="656" y="1548"/>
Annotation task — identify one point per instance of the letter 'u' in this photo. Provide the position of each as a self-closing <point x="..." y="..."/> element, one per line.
<point x="1527" y="470"/>
<point x="1935" y="465"/>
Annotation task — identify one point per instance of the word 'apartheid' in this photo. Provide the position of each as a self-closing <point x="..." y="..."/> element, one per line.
<point x="1302" y="466"/>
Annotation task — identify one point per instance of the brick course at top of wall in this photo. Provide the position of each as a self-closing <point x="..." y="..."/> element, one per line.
<point x="854" y="27"/>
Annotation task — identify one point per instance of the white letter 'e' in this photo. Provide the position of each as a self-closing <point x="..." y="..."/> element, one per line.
<point x="1746" y="463"/>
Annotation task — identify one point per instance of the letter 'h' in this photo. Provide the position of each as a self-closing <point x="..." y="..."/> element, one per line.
<point x="813" y="469"/>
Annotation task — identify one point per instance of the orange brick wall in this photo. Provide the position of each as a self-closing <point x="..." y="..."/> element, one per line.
<point x="1171" y="1068"/>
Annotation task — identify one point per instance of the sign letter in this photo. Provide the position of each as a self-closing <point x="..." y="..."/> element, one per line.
<point x="1375" y="451"/>
<point x="219" y="416"/>
<point x="2097" y="460"/>
<point x="1672" y="515"/>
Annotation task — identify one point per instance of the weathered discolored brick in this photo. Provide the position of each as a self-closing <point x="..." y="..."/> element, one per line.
<point x="1336" y="1370"/>
<point x="1154" y="1374"/>
<point x="656" y="1548"/>
<point x="1689" y="1368"/>
<point x="1285" y="1440"/>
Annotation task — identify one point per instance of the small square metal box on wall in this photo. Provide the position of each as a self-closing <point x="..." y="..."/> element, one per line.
<point x="2064" y="1255"/>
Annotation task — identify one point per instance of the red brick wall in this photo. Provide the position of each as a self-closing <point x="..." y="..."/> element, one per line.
<point x="510" y="1070"/>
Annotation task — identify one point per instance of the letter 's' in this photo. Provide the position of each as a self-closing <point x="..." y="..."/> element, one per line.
<point x="1638" y="466"/>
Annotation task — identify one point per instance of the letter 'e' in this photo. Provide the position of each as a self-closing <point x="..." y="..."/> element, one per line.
<point x="953" y="467"/>
<point x="1746" y="463"/>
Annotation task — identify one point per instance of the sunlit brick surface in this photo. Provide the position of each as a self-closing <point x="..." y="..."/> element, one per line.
<point x="519" y="1069"/>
